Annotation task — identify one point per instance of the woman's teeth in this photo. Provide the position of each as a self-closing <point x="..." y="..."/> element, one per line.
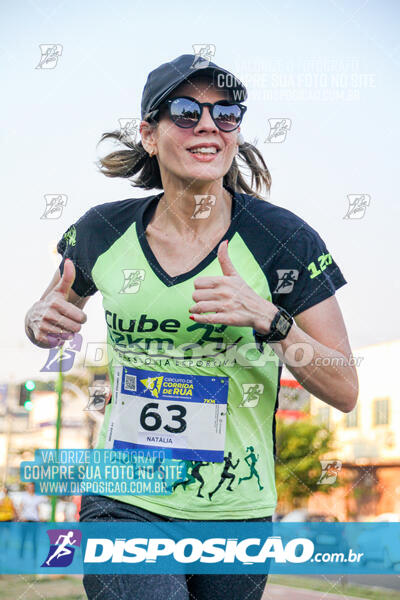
<point x="203" y="150"/>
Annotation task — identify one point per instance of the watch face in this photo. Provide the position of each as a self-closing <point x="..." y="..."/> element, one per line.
<point x="282" y="325"/>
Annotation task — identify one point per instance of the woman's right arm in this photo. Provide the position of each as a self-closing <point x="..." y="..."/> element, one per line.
<point x="58" y="315"/>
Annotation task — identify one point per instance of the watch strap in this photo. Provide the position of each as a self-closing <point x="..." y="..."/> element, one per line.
<point x="279" y="329"/>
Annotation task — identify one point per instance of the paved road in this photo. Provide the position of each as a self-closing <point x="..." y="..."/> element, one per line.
<point x="273" y="592"/>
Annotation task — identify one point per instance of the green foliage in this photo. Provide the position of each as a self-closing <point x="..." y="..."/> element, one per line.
<point x="299" y="447"/>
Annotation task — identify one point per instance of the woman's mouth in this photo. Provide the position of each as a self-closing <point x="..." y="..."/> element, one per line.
<point x="204" y="153"/>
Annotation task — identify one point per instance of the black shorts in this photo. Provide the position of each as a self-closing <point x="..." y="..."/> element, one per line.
<point x="161" y="587"/>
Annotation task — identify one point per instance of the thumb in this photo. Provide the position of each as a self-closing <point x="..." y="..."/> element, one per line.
<point x="224" y="260"/>
<point x="67" y="279"/>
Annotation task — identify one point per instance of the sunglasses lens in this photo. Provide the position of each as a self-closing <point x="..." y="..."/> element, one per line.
<point x="184" y="112"/>
<point x="227" y="118"/>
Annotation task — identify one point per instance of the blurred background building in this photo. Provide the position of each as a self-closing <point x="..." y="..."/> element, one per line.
<point x="367" y="439"/>
<point x="28" y="425"/>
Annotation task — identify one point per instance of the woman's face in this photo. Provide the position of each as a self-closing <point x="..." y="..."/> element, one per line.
<point x="173" y="143"/>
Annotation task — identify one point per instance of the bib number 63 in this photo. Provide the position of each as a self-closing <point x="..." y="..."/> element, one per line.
<point x="151" y="420"/>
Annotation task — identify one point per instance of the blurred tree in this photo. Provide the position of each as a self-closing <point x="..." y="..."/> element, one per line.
<point x="300" y="445"/>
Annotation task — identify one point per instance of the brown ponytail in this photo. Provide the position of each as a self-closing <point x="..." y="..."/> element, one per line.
<point x="136" y="161"/>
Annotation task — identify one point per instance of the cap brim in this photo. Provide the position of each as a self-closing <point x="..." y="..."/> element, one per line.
<point x="198" y="73"/>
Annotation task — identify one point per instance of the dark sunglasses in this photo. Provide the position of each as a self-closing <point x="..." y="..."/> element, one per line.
<point x="186" y="112"/>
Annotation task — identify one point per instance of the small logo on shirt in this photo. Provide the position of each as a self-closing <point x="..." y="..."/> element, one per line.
<point x="251" y="393"/>
<point x="62" y="542"/>
<point x="132" y="280"/>
<point x="286" y="280"/>
<point x="70" y="236"/>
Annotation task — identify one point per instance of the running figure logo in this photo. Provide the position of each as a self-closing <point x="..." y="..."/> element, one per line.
<point x="251" y="394"/>
<point x="64" y="355"/>
<point x="132" y="280"/>
<point x="203" y="54"/>
<point x="226" y="475"/>
<point x="203" y="206"/>
<point x="278" y="130"/>
<point x="194" y="476"/>
<point x="62" y="542"/>
<point x="287" y="279"/>
<point x="330" y="470"/>
<point x="358" y="204"/>
<point x="153" y="384"/>
<point x="253" y="472"/>
<point x="99" y="396"/>
<point x="54" y="206"/>
<point x="50" y="54"/>
<point x="128" y="129"/>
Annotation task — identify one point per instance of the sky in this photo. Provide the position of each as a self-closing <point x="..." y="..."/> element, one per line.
<point x="330" y="68"/>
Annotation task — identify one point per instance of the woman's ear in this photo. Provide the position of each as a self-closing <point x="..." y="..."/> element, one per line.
<point x="147" y="133"/>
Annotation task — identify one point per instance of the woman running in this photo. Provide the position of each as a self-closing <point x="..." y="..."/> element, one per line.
<point x="184" y="310"/>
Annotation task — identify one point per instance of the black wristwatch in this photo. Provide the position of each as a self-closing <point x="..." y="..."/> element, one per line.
<point x="279" y="329"/>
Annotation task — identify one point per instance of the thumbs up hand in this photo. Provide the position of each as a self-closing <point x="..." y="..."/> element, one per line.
<point x="68" y="277"/>
<point x="226" y="264"/>
<point x="54" y="319"/>
<point x="229" y="297"/>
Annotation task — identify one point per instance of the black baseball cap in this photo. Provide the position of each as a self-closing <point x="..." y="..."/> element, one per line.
<point x="163" y="80"/>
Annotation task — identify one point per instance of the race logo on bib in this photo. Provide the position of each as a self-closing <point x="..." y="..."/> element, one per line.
<point x="153" y="384"/>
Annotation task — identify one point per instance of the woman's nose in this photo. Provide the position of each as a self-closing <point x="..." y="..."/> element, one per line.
<point x="206" y="123"/>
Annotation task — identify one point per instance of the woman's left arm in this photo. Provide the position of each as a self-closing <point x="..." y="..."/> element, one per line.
<point x="329" y="374"/>
<point x="316" y="349"/>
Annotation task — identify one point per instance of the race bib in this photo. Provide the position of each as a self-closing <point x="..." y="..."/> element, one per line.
<point x="184" y="415"/>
